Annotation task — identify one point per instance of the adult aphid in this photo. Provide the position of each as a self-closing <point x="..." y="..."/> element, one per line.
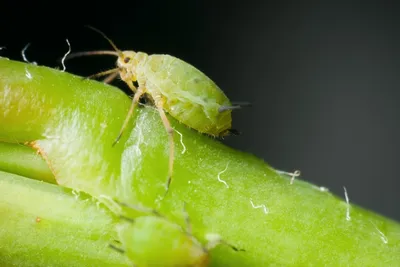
<point x="173" y="86"/>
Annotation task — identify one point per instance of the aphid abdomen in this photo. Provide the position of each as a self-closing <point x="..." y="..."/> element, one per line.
<point x="153" y="241"/>
<point x="191" y="97"/>
<point x="200" y="117"/>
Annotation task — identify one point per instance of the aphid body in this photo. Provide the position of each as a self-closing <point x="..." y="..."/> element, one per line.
<point x="154" y="241"/>
<point x="184" y="92"/>
<point x="173" y="86"/>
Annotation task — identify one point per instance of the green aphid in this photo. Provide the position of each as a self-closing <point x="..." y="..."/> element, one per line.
<point x="152" y="240"/>
<point x="173" y="86"/>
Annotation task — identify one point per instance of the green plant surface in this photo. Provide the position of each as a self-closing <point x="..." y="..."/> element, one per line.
<point x="72" y="123"/>
<point x="24" y="161"/>
<point x="46" y="225"/>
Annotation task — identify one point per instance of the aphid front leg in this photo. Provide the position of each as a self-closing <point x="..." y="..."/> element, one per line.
<point x="101" y="74"/>
<point x="140" y="91"/>
<point x="159" y="102"/>
<point x="110" y="77"/>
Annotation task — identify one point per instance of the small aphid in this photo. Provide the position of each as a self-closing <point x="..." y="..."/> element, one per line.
<point x="152" y="240"/>
<point x="173" y="86"/>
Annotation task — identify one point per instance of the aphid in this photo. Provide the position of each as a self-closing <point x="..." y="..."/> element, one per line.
<point x="173" y="86"/>
<point x="152" y="240"/>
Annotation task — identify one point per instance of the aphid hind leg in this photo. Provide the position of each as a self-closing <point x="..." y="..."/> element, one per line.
<point x="159" y="102"/>
<point x="140" y="91"/>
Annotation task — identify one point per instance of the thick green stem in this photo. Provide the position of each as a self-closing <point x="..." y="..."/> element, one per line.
<point x="24" y="161"/>
<point x="45" y="225"/>
<point x="73" y="124"/>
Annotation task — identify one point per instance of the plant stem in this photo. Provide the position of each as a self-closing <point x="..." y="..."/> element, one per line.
<point x="73" y="124"/>
<point x="45" y="225"/>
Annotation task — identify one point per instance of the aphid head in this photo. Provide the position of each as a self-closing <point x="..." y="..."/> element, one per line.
<point x="126" y="62"/>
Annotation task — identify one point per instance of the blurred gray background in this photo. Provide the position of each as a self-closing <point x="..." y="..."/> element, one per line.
<point x="323" y="77"/>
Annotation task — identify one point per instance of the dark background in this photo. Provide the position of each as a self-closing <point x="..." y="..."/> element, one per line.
<point x="322" y="77"/>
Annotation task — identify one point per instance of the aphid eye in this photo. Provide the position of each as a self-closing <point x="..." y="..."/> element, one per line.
<point x="127" y="59"/>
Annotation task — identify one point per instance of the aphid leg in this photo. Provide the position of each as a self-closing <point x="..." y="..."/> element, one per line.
<point x="159" y="104"/>
<point x="103" y="73"/>
<point x="187" y="219"/>
<point x="215" y="240"/>
<point x="110" y="77"/>
<point x="139" y="208"/>
<point x="135" y="101"/>
<point x="188" y="223"/>
<point x="130" y="83"/>
<point x="130" y="220"/>
<point x="120" y="250"/>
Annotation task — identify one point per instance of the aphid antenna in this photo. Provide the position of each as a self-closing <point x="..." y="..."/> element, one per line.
<point x="116" y="51"/>
<point x="105" y="37"/>
<point x="92" y="53"/>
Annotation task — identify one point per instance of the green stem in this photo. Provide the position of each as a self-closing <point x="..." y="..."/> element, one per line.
<point x="24" y="161"/>
<point x="45" y="225"/>
<point x="249" y="204"/>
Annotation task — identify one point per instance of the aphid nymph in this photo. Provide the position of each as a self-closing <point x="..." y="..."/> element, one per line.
<point x="152" y="240"/>
<point x="173" y="86"/>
